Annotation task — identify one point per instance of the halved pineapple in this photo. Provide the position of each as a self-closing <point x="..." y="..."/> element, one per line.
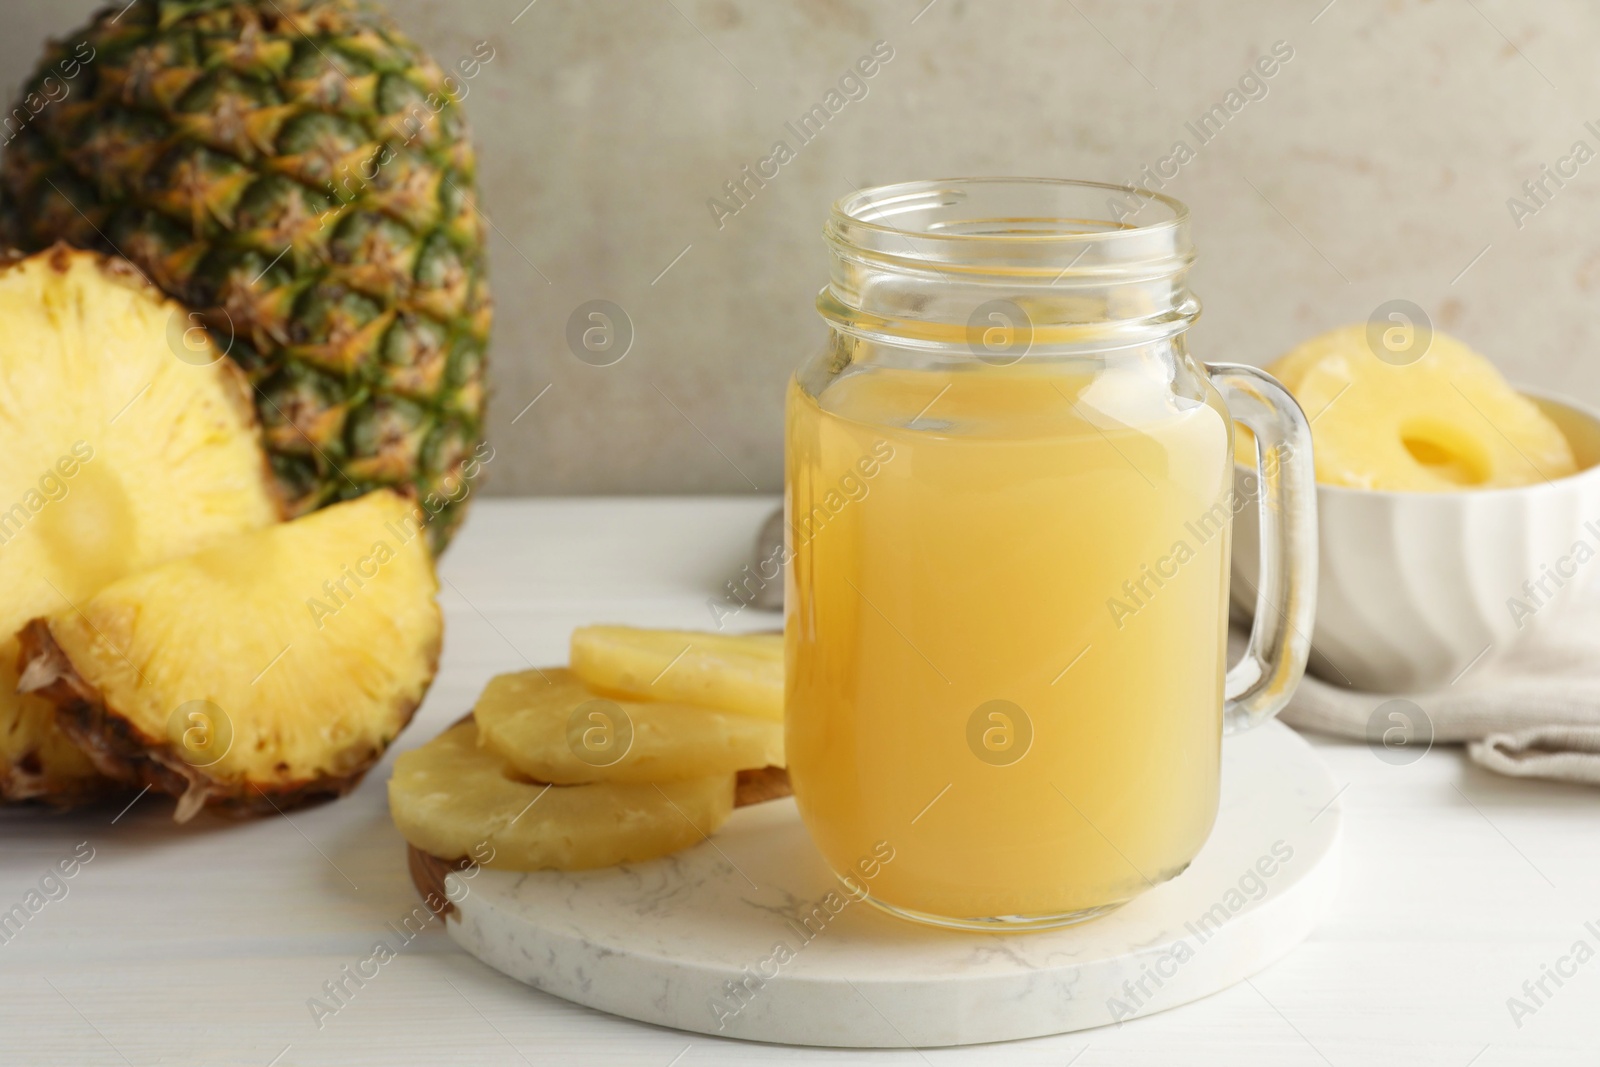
<point x="128" y="441"/>
<point x="737" y="673"/>
<point x="1447" y="421"/>
<point x="553" y="728"/>
<point x="453" y="798"/>
<point x="272" y="669"/>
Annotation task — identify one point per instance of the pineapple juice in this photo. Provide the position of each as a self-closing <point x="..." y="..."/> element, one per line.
<point x="1006" y="643"/>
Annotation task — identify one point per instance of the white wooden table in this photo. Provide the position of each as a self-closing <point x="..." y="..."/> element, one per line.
<point x="204" y="944"/>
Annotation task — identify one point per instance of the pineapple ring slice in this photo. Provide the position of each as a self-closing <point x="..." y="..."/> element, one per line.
<point x="553" y="728"/>
<point x="452" y="798"/>
<point x="728" y="672"/>
<point x="1446" y="422"/>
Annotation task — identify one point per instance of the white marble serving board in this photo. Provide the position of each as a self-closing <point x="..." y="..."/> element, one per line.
<point x="691" y="941"/>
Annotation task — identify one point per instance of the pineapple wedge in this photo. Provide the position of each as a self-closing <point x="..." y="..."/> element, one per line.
<point x="1446" y="422"/>
<point x="737" y="673"/>
<point x="453" y="798"/>
<point x="129" y="441"/>
<point x="553" y="728"/>
<point x="270" y="670"/>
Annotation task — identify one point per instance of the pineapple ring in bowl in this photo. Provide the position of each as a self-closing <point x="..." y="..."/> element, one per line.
<point x="452" y="798"/>
<point x="1445" y="422"/>
<point x="1416" y="588"/>
<point x="552" y="727"/>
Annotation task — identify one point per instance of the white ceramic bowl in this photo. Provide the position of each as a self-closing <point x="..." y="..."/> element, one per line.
<point x="1414" y="588"/>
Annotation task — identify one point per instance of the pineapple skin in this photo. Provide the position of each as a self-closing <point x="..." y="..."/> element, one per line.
<point x="299" y="173"/>
<point x="37" y="761"/>
<point x="124" y="755"/>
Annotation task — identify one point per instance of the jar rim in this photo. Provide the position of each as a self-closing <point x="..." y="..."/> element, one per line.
<point x="1072" y="260"/>
<point x="864" y="208"/>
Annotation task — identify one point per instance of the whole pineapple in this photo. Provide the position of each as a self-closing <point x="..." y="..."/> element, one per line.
<point x="299" y="172"/>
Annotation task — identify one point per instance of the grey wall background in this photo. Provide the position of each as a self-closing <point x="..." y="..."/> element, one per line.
<point x="1377" y="166"/>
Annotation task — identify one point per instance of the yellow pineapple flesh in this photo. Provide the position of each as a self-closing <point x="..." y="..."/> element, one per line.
<point x="553" y="728"/>
<point x="269" y="670"/>
<point x="738" y="673"/>
<point x="1447" y="421"/>
<point x="128" y="441"/>
<point x="453" y="798"/>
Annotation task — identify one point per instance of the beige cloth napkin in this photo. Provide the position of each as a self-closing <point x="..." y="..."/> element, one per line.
<point x="1532" y="713"/>
<point x="1565" y="753"/>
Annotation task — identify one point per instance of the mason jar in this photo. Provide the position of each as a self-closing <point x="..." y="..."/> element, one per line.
<point x="1010" y="489"/>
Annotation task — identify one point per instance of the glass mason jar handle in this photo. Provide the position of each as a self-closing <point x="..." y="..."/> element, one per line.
<point x="1260" y="684"/>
